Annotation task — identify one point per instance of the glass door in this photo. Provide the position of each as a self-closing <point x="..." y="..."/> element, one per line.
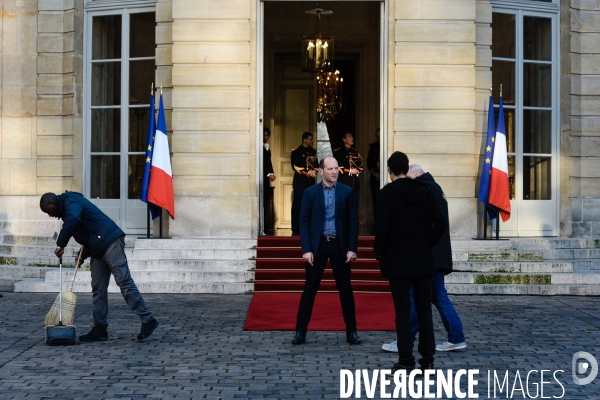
<point x="525" y="63"/>
<point x="120" y="65"/>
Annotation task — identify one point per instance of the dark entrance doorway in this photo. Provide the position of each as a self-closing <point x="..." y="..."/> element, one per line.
<point x="290" y="95"/>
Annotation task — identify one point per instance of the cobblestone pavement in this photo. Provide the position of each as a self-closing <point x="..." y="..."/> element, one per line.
<point x="200" y="350"/>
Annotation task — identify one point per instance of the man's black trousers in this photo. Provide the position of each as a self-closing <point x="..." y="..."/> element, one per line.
<point x="341" y="271"/>
<point x="401" y="294"/>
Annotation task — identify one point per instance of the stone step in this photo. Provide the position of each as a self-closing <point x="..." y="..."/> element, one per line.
<point x="589" y="278"/>
<point x="579" y="265"/>
<point x="34" y="250"/>
<point x="548" y="290"/>
<point x="498" y="278"/>
<point x="40" y="261"/>
<point x="191" y="265"/>
<point x="513" y="267"/>
<point x="184" y="254"/>
<point x="20" y="271"/>
<point x="555" y="243"/>
<point x="44" y="240"/>
<point x="196" y="243"/>
<point x="162" y="276"/>
<point x="558" y="254"/>
<point x="503" y="255"/>
<point x="481" y="245"/>
<point x="7" y="283"/>
<point x="48" y="240"/>
<point x="33" y="285"/>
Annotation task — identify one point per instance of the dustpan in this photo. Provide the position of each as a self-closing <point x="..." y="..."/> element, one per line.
<point x="60" y="335"/>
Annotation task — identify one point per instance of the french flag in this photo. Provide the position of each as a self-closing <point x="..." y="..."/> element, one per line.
<point x="499" y="185"/>
<point x="160" y="189"/>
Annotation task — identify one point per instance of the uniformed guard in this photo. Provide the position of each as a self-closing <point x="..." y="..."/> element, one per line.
<point x="373" y="166"/>
<point x="350" y="163"/>
<point x="268" y="177"/>
<point x="305" y="165"/>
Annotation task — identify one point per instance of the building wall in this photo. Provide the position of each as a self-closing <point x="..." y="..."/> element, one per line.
<point x="437" y="101"/>
<point x="213" y="120"/>
<point x="206" y="56"/>
<point x="583" y="134"/>
<point x="40" y="130"/>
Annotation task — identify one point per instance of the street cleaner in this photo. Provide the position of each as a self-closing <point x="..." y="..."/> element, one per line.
<point x="104" y="241"/>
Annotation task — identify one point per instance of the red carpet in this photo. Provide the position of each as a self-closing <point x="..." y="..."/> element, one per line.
<point x="277" y="312"/>
<point x="280" y="267"/>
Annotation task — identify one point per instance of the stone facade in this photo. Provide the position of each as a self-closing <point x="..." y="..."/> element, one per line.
<point x="438" y="82"/>
<point x="583" y="134"/>
<point x="435" y="58"/>
<point x="41" y="130"/>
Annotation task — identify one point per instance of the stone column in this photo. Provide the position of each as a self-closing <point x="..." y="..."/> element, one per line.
<point x="584" y="135"/>
<point x="214" y="135"/>
<point x="436" y="96"/>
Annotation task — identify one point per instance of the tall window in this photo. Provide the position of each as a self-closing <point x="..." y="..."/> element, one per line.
<point x="121" y="65"/>
<point x="524" y="70"/>
<point x="525" y="64"/>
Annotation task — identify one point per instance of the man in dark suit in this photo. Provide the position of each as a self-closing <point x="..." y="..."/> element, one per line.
<point x="268" y="177"/>
<point x="409" y="224"/>
<point x="328" y="230"/>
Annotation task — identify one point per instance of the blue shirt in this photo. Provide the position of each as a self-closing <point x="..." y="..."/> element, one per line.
<point x="329" y="201"/>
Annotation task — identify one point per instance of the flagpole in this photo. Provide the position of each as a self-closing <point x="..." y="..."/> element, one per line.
<point x="498" y="225"/>
<point x="485" y="213"/>
<point x="497" y="209"/>
<point x="160" y="223"/>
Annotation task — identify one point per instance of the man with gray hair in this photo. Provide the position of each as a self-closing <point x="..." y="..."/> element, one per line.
<point x="442" y="254"/>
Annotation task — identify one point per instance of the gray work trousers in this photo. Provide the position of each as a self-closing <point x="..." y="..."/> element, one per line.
<point x="114" y="261"/>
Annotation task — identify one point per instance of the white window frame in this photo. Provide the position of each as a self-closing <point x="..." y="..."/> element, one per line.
<point x="95" y="8"/>
<point x="521" y="9"/>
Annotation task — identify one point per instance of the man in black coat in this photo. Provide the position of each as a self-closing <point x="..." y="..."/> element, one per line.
<point x="442" y="254"/>
<point x="409" y="224"/>
<point x="104" y="241"/>
<point x="268" y="177"/>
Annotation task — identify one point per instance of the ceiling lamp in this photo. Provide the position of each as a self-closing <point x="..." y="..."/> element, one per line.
<point x="329" y="99"/>
<point x="317" y="50"/>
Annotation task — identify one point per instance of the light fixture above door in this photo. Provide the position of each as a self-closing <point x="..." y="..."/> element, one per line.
<point x="317" y="50"/>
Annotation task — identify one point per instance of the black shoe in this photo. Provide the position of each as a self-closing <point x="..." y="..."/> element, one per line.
<point x="99" y="333"/>
<point x="147" y="329"/>
<point x="300" y="338"/>
<point x="352" y="338"/>
<point x="399" y="367"/>
<point x="426" y="367"/>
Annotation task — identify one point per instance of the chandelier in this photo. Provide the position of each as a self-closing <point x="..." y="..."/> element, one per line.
<point x="317" y="50"/>
<point x="329" y="100"/>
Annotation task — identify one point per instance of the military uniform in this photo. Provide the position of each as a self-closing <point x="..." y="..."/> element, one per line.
<point x="304" y="159"/>
<point x="373" y="166"/>
<point x="267" y="189"/>
<point x="348" y="157"/>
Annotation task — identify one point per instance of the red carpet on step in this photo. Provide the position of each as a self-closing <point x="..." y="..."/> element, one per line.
<point x="277" y="312"/>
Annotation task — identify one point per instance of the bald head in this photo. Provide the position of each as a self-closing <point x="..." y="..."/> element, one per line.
<point x="329" y="170"/>
<point x="48" y="204"/>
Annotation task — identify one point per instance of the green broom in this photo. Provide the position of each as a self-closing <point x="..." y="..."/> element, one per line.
<point x="69" y="300"/>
